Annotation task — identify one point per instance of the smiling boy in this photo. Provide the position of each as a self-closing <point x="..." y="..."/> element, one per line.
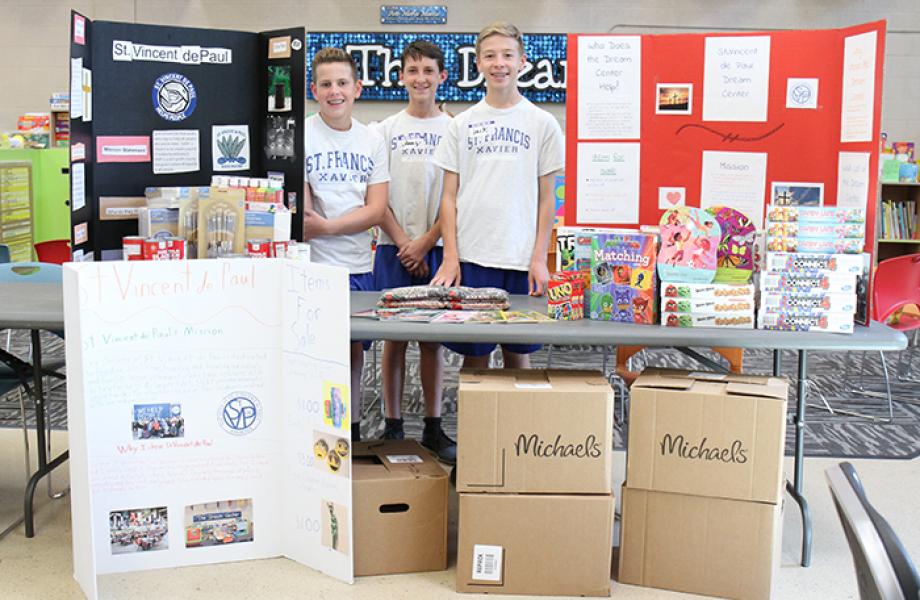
<point x="410" y="249"/>
<point x="499" y="159"/>
<point x="345" y="192"/>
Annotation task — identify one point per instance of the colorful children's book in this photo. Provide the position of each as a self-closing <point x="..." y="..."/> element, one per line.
<point x="623" y="277"/>
<point x="735" y="253"/>
<point x="690" y="240"/>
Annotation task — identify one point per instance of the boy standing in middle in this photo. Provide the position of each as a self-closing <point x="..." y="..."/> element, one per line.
<point x="409" y="251"/>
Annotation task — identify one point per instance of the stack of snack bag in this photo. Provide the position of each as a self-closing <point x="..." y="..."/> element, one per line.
<point x="705" y="265"/>
<point x="814" y="289"/>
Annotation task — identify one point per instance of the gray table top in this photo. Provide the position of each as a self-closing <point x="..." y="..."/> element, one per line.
<point x="41" y="306"/>
<point x="874" y="337"/>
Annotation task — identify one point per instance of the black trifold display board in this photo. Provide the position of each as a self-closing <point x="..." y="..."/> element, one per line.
<point x="218" y="78"/>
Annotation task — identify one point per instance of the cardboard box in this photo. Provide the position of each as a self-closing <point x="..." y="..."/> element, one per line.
<point x="828" y="322"/>
<point x="726" y="320"/>
<point x="400" y="507"/>
<point x="710" y="434"/>
<point x="699" y="545"/>
<point x="535" y="544"/>
<point x="268" y="226"/>
<point x="808" y="281"/>
<point x="807" y="302"/>
<point x="706" y="307"/>
<point x="707" y="291"/>
<point x="161" y="223"/>
<point x="534" y="431"/>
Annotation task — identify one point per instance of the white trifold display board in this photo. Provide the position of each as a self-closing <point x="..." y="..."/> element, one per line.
<point x="201" y="396"/>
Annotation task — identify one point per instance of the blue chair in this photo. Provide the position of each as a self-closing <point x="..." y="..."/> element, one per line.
<point x="4" y="253"/>
<point x="884" y="570"/>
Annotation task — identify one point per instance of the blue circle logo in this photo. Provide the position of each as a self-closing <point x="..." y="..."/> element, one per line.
<point x="174" y="96"/>
<point x="240" y="413"/>
<point x="801" y="94"/>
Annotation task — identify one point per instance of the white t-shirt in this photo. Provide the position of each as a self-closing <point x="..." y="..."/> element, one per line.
<point x="416" y="182"/>
<point x="499" y="155"/>
<point x="339" y="165"/>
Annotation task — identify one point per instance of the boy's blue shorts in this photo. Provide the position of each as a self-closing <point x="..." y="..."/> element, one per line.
<point x="362" y="282"/>
<point x="390" y="273"/>
<point x="514" y="282"/>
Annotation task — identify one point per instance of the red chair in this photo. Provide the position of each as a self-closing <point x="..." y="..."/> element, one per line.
<point x="53" y="251"/>
<point x="896" y="285"/>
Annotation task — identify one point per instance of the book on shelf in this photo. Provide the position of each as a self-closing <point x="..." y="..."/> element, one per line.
<point x="899" y="220"/>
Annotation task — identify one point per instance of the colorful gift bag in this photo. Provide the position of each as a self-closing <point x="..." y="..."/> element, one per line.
<point x="690" y="239"/>
<point x="735" y="253"/>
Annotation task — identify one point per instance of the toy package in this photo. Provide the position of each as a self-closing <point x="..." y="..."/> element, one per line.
<point x="827" y="322"/>
<point x="735" y="253"/>
<point x="623" y="277"/>
<point x="732" y="320"/>
<point x="690" y="239"/>
<point x="707" y="307"/>
<point x="808" y="229"/>
<point x="817" y="214"/>
<point x="573" y="246"/>
<point x="801" y="261"/>
<point x="808" y="281"/>
<point x="807" y="303"/>
<point x="565" y="296"/>
<point x="817" y="245"/>
<point x="707" y="291"/>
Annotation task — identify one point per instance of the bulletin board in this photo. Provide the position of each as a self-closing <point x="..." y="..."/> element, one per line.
<point x="157" y="106"/>
<point x="196" y="410"/>
<point x="650" y="119"/>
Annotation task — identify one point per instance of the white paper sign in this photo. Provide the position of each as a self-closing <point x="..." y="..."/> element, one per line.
<point x="856" y="114"/>
<point x="230" y="147"/>
<point x="736" y="78"/>
<point x="198" y="408"/>
<point x="77" y="186"/>
<point x="76" y="88"/>
<point x="853" y="179"/>
<point x="609" y="77"/>
<point x="735" y="179"/>
<point x="608" y="183"/>
<point x="77" y="152"/>
<point x="801" y="93"/>
<point x="125" y="51"/>
<point x="175" y="151"/>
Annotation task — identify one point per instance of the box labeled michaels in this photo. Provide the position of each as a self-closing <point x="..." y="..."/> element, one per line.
<point x="707" y="434"/>
<point x="533" y="431"/>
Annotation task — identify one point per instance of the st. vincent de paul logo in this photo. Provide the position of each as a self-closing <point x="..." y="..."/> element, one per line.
<point x="174" y="96"/>
<point x="239" y="413"/>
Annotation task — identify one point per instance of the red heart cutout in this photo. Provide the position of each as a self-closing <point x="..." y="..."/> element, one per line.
<point x="673" y="197"/>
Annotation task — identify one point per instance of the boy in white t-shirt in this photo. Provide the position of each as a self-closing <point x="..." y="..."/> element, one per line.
<point x="409" y="251"/>
<point x="345" y="191"/>
<point x="500" y="158"/>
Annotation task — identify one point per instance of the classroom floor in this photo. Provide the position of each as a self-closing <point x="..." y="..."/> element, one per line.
<point x="42" y="567"/>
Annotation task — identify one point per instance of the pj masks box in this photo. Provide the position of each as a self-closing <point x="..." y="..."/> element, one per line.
<point x="623" y="277"/>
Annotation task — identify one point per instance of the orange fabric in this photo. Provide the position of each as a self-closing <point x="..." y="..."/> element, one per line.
<point x="734" y="356"/>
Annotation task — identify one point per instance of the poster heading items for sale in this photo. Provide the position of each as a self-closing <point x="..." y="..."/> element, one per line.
<point x="174" y="96"/>
<point x="623" y="277"/>
<point x="735" y="254"/>
<point x="124" y="51"/>
<point x="690" y="239"/>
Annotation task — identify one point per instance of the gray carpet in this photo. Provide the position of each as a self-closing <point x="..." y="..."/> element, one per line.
<point x="830" y="378"/>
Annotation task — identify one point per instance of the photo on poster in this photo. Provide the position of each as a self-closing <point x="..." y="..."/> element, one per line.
<point x="279" y="47"/>
<point x="138" y="530"/>
<point x="334" y="526"/>
<point x="230" y="147"/>
<point x="279" y="137"/>
<point x="785" y="193"/>
<point x="330" y="453"/>
<point x="335" y="405"/>
<point x="279" y="89"/>
<point x="801" y="92"/>
<point x="156" y="421"/>
<point x="218" y="523"/>
<point x="674" y="99"/>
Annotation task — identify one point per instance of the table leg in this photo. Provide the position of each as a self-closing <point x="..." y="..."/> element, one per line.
<point x="777" y="363"/>
<point x="44" y="467"/>
<point x="795" y="488"/>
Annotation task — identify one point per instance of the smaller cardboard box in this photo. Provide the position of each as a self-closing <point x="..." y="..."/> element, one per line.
<point x="699" y="545"/>
<point x="400" y="508"/>
<point x="535" y="544"/>
<point x="534" y="431"/>
<point x="710" y="434"/>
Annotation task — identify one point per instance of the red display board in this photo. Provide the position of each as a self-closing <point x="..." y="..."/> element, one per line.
<point x="802" y="145"/>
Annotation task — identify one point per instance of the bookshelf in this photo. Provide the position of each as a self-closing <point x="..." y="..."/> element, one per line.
<point x="892" y="243"/>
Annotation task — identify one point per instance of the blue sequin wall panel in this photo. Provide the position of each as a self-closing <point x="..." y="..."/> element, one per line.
<point x="377" y="56"/>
